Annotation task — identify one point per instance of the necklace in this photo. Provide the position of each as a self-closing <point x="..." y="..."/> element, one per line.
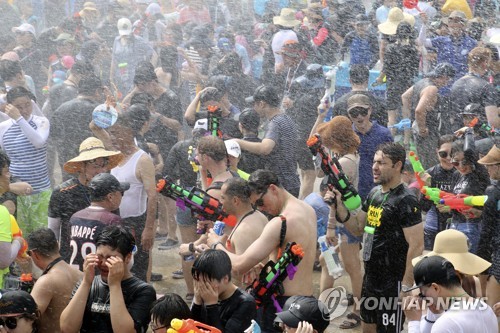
<point x="52" y="264"/>
<point x="239" y="222"/>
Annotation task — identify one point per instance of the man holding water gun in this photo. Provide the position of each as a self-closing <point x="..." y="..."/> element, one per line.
<point x="392" y="220"/>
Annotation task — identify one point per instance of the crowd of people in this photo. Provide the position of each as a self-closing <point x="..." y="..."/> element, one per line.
<point x="108" y="108"/>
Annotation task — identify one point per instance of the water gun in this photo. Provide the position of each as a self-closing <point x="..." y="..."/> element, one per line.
<point x="463" y="201"/>
<point x="402" y="125"/>
<point x="190" y="326"/>
<point x="482" y="127"/>
<point x="17" y="232"/>
<point x="192" y="159"/>
<point x="200" y="202"/>
<point x="270" y="281"/>
<point x="214" y="116"/>
<point x="254" y="328"/>
<point x="336" y="177"/>
<point x="330" y="78"/>
<point x="434" y="194"/>
<point x="417" y="168"/>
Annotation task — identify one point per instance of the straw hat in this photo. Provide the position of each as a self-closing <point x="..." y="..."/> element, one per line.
<point x="286" y="18"/>
<point x="452" y="245"/>
<point x="315" y="10"/>
<point x="492" y="158"/>
<point x="90" y="149"/>
<point x="396" y="16"/>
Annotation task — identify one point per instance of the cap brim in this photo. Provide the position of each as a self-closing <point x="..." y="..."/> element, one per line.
<point x="74" y="165"/>
<point x="125" y="32"/>
<point x="250" y="100"/>
<point x="288" y="318"/>
<point x="387" y="28"/>
<point x="357" y="105"/>
<point x="466" y="263"/>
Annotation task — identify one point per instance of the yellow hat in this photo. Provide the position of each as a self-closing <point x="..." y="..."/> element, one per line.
<point x="396" y="16"/>
<point x="90" y="149"/>
<point x="286" y="18"/>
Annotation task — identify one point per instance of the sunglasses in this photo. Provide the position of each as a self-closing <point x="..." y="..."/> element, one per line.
<point x="154" y="328"/>
<point x="443" y="154"/>
<point x="94" y="163"/>
<point x="457" y="163"/>
<point x="10" y="322"/>
<point x="260" y="201"/>
<point x="354" y="113"/>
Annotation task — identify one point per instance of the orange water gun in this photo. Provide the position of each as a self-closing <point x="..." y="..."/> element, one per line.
<point x="190" y="326"/>
<point x="17" y="232"/>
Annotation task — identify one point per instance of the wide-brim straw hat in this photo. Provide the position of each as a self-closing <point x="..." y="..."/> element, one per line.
<point x="286" y="18"/>
<point x="315" y="10"/>
<point x="492" y="158"/>
<point x="452" y="245"/>
<point x="90" y="149"/>
<point x="395" y="16"/>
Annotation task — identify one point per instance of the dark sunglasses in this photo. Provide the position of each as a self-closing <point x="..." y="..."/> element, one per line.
<point x="457" y="163"/>
<point x="10" y="322"/>
<point x="443" y="154"/>
<point x="358" y="111"/>
<point x="260" y="201"/>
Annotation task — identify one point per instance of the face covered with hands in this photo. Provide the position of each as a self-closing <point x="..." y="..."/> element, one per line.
<point x="206" y="291"/>
<point x="111" y="264"/>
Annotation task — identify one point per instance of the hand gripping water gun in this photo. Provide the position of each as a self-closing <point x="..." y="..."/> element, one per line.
<point x="201" y="203"/>
<point x="434" y="194"/>
<point x="17" y="232"/>
<point x="482" y="127"/>
<point x="463" y="201"/>
<point x="402" y="125"/>
<point x="190" y="326"/>
<point x="336" y="177"/>
<point x="270" y="281"/>
<point x="417" y="168"/>
<point x="214" y="115"/>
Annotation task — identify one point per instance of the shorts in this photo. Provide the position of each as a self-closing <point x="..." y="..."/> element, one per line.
<point x="351" y="239"/>
<point x="32" y="211"/>
<point x="388" y="317"/>
<point x="184" y="217"/>
<point x="136" y="225"/>
<point x="304" y="157"/>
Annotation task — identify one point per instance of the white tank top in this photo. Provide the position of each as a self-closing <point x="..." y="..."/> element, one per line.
<point x="134" y="201"/>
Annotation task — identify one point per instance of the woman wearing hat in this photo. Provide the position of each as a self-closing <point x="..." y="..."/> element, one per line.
<point x="285" y="23"/>
<point x="18" y="313"/>
<point x="338" y="136"/>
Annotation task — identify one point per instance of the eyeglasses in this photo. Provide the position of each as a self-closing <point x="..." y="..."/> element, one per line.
<point x="358" y="111"/>
<point x="461" y="163"/>
<point x="30" y="252"/>
<point x="9" y="322"/>
<point x="260" y="201"/>
<point x="154" y="328"/>
<point x="94" y="163"/>
<point x="443" y="154"/>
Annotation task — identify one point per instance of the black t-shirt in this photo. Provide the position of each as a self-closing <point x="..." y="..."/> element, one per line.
<point x="443" y="180"/>
<point x="471" y="89"/>
<point x="177" y="164"/>
<point x="60" y="94"/>
<point x="67" y="199"/>
<point x="401" y="63"/>
<point x="378" y="106"/>
<point x="69" y="126"/>
<point x="168" y="105"/>
<point x="86" y="225"/>
<point x="138" y="296"/>
<point x="250" y="162"/>
<point x="389" y="213"/>
<point x="232" y="315"/>
<point x="474" y="183"/>
<point x="228" y="125"/>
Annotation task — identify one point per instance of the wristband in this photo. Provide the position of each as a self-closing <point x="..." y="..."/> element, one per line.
<point x="214" y="247"/>
<point x="429" y="321"/>
<point x="348" y="216"/>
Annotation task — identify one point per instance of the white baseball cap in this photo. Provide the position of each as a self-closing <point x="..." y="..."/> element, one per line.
<point x="201" y="123"/>
<point x="124" y="26"/>
<point x="233" y="148"/>
<point x="25" y="27"/>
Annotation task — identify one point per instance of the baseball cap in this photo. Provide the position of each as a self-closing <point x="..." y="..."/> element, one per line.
<point x="474" y="109"/>
<point x="265" y="93"/>
<point x="250" y="120"/>
<point x="201" y="124"/>
<point x="304" y="308"/>
<point x="443" y="69"/>
<point x="458" y="14"/>
<point x="433" y="269"/>
<point x="124" y="26"/>
<point x="25" y="27"/>
<point x="105" y="183"/>
<point x="358" y="100"/>
<point x="16" y="302"/>
<point x="233" y="148"/>
<point x="362" y="18"/>
<point x="224" y="45"/>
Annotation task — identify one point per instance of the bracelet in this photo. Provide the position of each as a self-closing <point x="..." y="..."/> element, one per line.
<point x="348" y="216"/>
<point x="191" y="247"/>
<point x="429" y="321"/>
<point x="214" y="247"/>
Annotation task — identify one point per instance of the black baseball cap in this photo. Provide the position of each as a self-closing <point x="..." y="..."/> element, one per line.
<point x="433" y="269"/>
<point x="443" y="69"/>
<point x="265" y="93"/>
<point x="16" y="302"/>
<point x="105" y="183"/>
<point x="474" y="109"/>
<point x="304" y="308"/>
<point x="250" y="120"/>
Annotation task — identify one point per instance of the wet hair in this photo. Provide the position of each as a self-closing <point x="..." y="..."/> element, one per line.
<point x="394" y="151"/>
<point x="212" y="264"/>
<point x="478" y="56"/>
<point x="142" y="98"/>
<point x="213" y="147"/>
<point x="19" y="92"/>
<point x="10" y="69"/>
<point x="145" y="72"/>
<point x="448" y="138"/>
<point x="44" y="241"/>
<point x="220" y="82"/>
<point x="169" y="306"/>
<point x="135" y="117"/>
<point x="168" y="58"/>
<point x="405" y="32"/>
<point x="211" y="94"/>
<point x="118" y="238"/>
<point x="4" y="160"/>
<point x="238" y="187"/>
<point x="260" y="180"/>
<point x="249" y="119"/>
<point x="88" y="85"/>
<point x="359" y="74"/>
<point x="82" y="68"/>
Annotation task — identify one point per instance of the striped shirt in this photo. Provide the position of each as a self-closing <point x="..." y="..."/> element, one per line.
<point x="25" y="142"/>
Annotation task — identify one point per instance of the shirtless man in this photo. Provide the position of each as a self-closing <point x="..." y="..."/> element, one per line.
<point x="52" y="291"/>
<point x="268" y="196"/>
<point x="235" y="198"/>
